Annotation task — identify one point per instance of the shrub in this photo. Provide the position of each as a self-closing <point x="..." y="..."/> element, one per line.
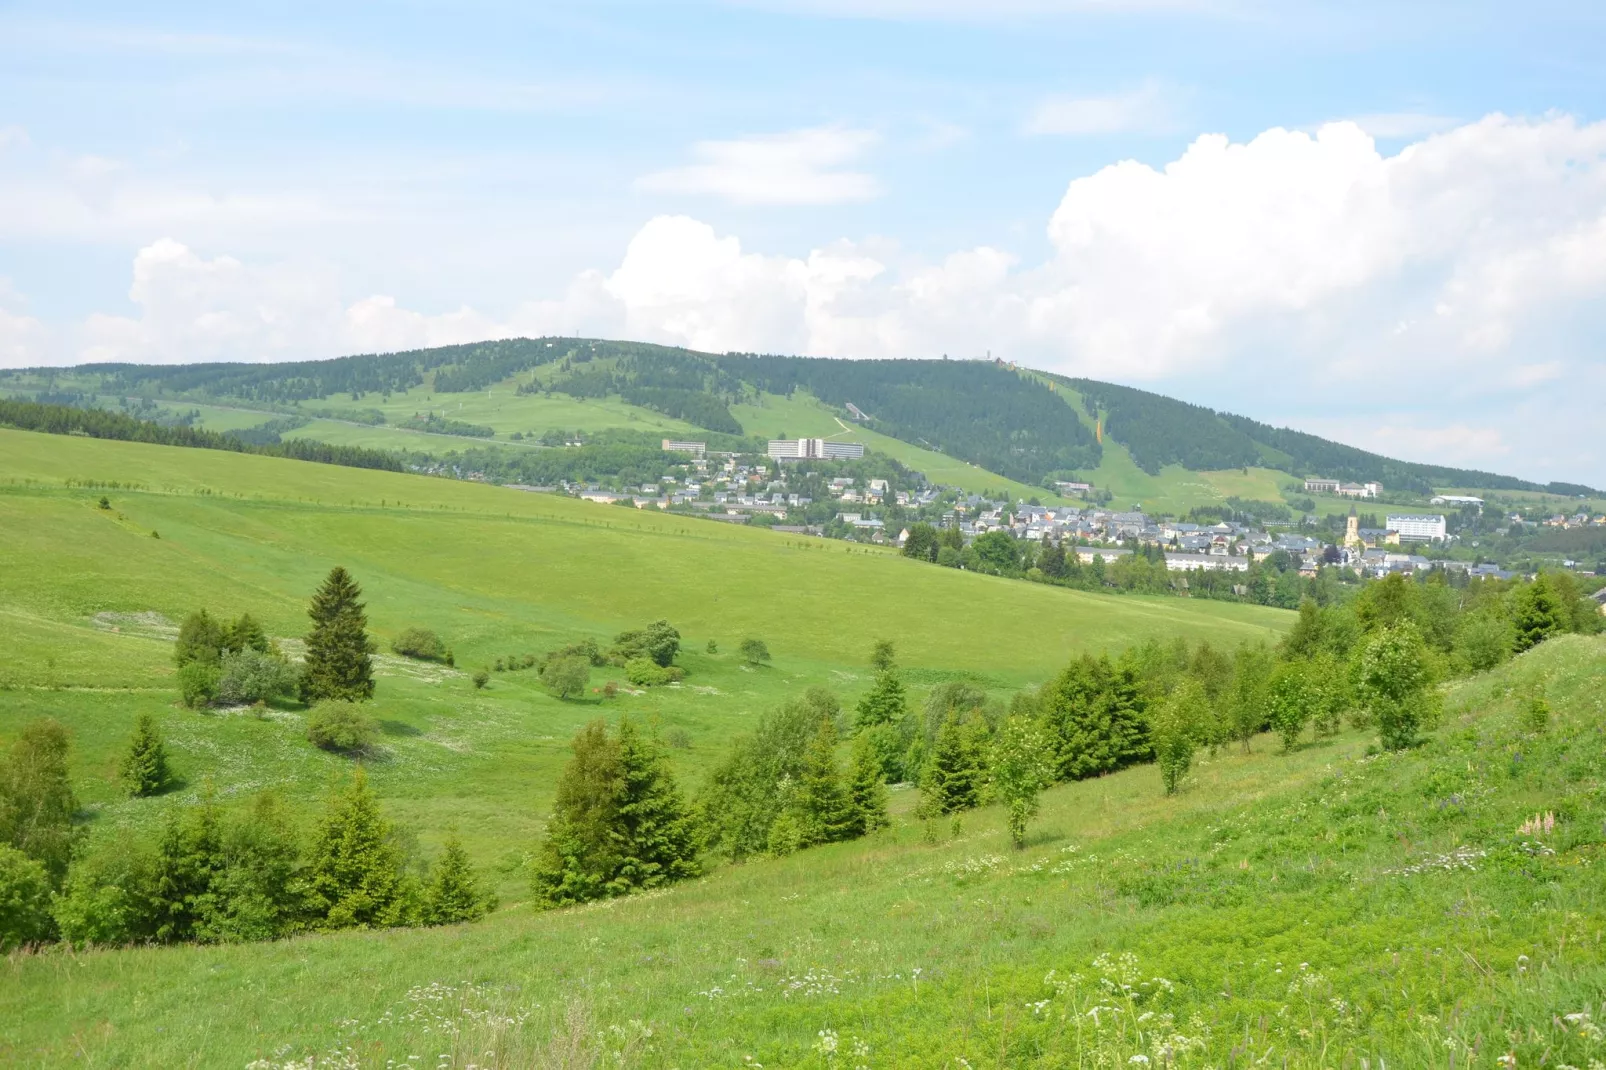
<point x="481" y="678"/>
<point x="343" y="727"/>
<point x="1396" y="681"/>
<point x="658" y="641"/>
<point x="197" y="683"/>
<point x="584" y="648"/>
<point x="755" y="652"/>
<point x="644" y="672"/>
<point x="567" y="677"/>
<point x="883" y="655"/>
<point x="712" y="647"/>
<point x="419" y="643"/>
<point x="1177" y="724"/>
<point x="107" y="898"/>
<point x="1536" y="716"/>
<point x="249" y="676"/>
<point x="24" y="901"/>
<point x="200" y="638"/>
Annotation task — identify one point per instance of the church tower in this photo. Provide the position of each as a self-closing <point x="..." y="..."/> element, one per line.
<point x="1352" y="531"/>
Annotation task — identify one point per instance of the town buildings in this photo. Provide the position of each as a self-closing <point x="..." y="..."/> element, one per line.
<point x="799" y="449"/>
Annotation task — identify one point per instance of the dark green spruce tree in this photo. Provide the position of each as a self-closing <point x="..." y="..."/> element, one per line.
<point x="200" y="638"/>
<point x="867" y="788"/>
<point x="653" y="825"/>
<point x="453" y="893"/>
<point x="144" y="768"/>
<point x="189" y="861"/>
<point x="338" y="665"/>
<point x="244" y="634"/>
<point x="354" y="877"/>
<point x="884" y="703"/>
<point x="1095" y="714"/>
<point x="956" y="770"/>
<point x="825" y="809"/>
<point x="577" y="856"/>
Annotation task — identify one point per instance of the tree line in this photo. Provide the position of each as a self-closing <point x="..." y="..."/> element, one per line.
<point x="100" y="423"/>
<point x="620" y="822"/>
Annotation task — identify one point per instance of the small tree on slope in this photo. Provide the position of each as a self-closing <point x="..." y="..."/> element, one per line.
<point x="338" y="665"/>
<point x="354" y="875"/>
<point x="1020" y="771"/>
<point x="867" y="788"/>
<point x="826" y="810"/>
<point x="453" y="893"/>
<point x="654" y="829"/>
<point x="144" y="768"/>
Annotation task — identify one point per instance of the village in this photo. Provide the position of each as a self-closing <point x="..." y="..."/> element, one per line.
<point x="794" y="490"/>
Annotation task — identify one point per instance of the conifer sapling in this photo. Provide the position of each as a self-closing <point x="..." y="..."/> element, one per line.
<point x="144" y="770"/>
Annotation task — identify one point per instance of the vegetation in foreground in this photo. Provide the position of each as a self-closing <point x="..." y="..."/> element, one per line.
<point x="1313" y="909"/>
<point x="963" y="746"/>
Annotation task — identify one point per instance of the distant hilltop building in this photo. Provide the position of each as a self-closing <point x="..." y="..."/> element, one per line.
<point x="856" y="412"/>
<point x="1343" y="490"/>
<point x="1455" y="499"/>
<point x="800" y="449"/>
<point x="1412" y="528"/>
<point x="1074" y="488"/>
<point x="697" y="449"/>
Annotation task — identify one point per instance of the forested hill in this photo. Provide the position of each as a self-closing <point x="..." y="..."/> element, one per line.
<point x="1029" y="426"/>
<point x="1158" y="431"/>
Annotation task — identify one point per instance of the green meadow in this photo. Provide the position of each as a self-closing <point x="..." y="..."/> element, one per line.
<point x="1322" y="908"/>
<point x="91" y="599"/>
<point x="1330" y="906"/>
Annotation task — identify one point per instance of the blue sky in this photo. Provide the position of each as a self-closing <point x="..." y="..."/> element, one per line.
<point x="1154" y="193"/>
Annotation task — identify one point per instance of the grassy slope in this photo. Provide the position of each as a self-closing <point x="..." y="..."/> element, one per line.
<point x="497" y="572"/>
<point x="1307" y="910"/>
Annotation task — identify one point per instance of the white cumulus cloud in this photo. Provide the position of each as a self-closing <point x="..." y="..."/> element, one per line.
<point x="1444" y="302"/>
<point x="800" y="167"/>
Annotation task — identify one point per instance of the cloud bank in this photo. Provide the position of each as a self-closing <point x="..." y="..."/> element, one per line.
<point x="1449" y="295"/>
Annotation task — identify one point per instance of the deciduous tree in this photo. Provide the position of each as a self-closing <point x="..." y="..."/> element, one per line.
<point x="1019" y="770"/>
<point x="37" y="803"/>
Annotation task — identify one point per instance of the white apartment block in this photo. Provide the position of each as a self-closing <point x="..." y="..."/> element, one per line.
<point x="782" y="449"/>
<point x="1413" y="528"/>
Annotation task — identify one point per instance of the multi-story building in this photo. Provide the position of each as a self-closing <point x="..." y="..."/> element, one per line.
<point x="1416" y="528"/>
<point x="782" y="449"/>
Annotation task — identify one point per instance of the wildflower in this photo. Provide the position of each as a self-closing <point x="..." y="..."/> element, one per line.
<point x="1138" y="1060"/>
<point x="1508" y="1060"/>
<point x="827" y="1043"/>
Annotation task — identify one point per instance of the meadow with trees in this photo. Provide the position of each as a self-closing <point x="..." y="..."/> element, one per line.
<point x="576" y="788"/>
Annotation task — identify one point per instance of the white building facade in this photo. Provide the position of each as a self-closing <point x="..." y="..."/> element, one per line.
<point x="1413" y="528"/>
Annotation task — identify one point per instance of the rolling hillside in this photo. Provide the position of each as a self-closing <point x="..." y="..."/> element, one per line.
<point x="1325" y="908"/>
<point x="973" y="424"/>
<point x="90" y="601"/>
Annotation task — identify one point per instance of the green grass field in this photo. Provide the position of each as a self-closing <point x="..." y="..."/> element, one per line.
<point x="89" y="599"/>
<point x="1324" y="908"/>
